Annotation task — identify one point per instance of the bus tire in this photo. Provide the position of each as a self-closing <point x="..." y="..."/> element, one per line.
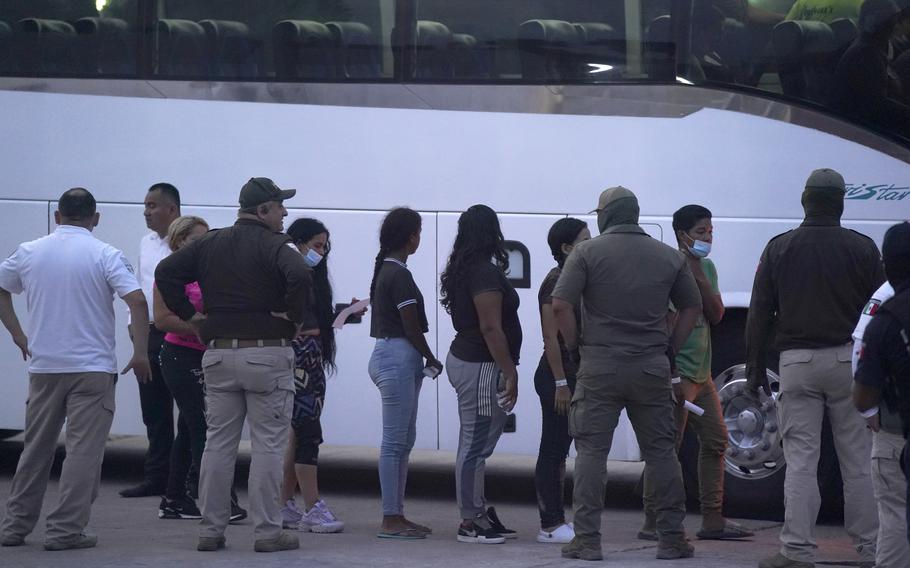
<point x="754" y="468"/>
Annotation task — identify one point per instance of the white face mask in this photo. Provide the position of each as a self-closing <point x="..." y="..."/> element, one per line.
<point x="312" y="258"/>
<point x="699" y="249"/>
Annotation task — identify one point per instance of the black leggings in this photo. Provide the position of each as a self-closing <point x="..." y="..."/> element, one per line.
<point x="550" y="473"/>
<point x="182" y="370"/>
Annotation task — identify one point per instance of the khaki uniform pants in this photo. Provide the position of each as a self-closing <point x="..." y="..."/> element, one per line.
<point x="85" y="401"/>
<point x="643" y="389"/>
<point x="890" y="487"/>
<point x="256" y="383"/>
<point x="712" y="441"/>
<point x="812" y="381"/>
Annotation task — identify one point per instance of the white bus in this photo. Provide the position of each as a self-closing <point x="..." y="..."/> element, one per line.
<point x="530" y="106"/>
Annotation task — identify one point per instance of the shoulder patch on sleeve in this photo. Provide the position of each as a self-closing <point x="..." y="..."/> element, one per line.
<point x="872" y="307"/>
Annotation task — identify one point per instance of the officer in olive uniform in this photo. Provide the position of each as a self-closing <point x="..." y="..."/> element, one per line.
<point x="883" y="372"/>
<point x="626" y="279"/>
<point x="810" y="287"/>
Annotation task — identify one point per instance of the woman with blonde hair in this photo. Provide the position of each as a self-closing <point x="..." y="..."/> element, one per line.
<point x="181" y="366"/>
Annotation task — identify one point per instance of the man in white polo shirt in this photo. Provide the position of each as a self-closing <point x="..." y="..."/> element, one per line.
<point x="162" y="206"/>
<point x="69" y="278"/>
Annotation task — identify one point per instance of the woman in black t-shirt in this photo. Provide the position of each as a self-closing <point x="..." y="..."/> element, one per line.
<point x="482" y="360"/>
<point x="554" y="382"/>
<point x="397" y="365"/>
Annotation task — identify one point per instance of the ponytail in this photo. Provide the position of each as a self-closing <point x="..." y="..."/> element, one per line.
<point x="380" y="258"/>
<point x="397" y="228"/>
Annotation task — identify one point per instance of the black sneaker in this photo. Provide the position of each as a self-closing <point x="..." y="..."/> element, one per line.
<point x="476" y="534"/>
<point x="178" y="509"/>
<point x="497" y="526"/>
<point x="238" y="513"/>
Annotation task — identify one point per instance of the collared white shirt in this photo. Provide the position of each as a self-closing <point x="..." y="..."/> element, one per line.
<point x="152" y="250"/>
<point x="69" y="278"/>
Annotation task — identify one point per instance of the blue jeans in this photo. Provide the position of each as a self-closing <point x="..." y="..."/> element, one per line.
<point x="396" y="368"/>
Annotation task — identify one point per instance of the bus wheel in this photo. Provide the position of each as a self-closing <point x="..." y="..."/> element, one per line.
<point x="754" y="461"/>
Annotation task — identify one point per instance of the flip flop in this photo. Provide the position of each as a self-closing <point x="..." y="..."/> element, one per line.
<point x="731" y="531"/>
<point x="419" y="527"/>
<point x="403" y="534"/>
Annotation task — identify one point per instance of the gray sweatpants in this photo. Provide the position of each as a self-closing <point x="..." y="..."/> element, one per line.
<point x="85" y="401"/>
<point x="482" y="421"/>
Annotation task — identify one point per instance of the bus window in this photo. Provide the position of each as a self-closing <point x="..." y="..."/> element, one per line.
<point x="569" y="41"/>
<point x="68" y="38"/>
<point x="848" y="57"/>
<point x="333" y="40"/>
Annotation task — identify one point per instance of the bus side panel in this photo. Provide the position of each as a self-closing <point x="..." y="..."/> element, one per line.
<point x="23" y="221"/>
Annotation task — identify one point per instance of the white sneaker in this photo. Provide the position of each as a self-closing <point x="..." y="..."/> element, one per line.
<point x="320" y="519"/>
<point x="290" y="514"/>
<point x="563" y="534"/>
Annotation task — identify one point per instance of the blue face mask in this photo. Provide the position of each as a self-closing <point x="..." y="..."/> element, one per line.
<point x="312" y="258"/>
<point x="699" y="249"/>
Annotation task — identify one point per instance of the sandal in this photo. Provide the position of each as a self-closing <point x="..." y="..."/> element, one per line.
<point x="404" y="534"/>
<point x="419" y="527"/>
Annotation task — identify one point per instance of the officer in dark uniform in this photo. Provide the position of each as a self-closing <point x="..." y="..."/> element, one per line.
<point x="257" y="288"/>
<point x="810" y="287"/>
<point x="883" y="373"/>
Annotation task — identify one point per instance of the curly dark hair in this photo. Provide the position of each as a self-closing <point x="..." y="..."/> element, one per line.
<point x="397" y="227"/>
<point x="479" y="238"/>
<point x="301" y="231"/>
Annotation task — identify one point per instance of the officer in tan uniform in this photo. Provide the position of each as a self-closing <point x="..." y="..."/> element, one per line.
<point x="810" y="287"/>
<point x="626" y="280"/>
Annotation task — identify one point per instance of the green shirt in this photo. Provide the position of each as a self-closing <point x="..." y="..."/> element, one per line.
<point x="824" y="10"/>
<point x="694" y="358"/>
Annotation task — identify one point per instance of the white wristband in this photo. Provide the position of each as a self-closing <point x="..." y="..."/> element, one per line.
<point x="870" y="413"/>
<point x="562" y="383"/>
<point x="675" y="380"/>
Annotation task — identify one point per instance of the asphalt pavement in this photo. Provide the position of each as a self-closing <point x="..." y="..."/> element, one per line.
<point x="130" y="534"/>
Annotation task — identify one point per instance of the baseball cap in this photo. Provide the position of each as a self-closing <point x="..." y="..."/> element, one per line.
<point x="826" y="178"/>
<point x="261" y="190"/>
<point x="612" y="194"/>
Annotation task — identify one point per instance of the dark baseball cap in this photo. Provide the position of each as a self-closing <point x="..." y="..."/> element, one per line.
<point x="826" y="178"/>
<point x="261" y="190"/>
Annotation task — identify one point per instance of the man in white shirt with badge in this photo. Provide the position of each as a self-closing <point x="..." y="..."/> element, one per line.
<point x="162" y="206"/>
<point x="69" y="278"/>
<point x="888" y="483"/>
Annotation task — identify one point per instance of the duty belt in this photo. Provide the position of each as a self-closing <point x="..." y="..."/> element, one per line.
<point x="243" y="343"/>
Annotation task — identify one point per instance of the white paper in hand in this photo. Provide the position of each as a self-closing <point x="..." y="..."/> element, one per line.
<point x="344" y="314"/>
<point x="693" y="408"/>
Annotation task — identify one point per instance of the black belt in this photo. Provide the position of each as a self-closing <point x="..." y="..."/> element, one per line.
<point x="243" y="343"/>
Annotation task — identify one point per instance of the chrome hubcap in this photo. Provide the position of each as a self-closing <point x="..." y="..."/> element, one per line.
<point x="754" y="448"/>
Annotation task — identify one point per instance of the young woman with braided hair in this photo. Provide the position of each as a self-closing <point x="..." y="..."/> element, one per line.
<point x="398" y="361"/>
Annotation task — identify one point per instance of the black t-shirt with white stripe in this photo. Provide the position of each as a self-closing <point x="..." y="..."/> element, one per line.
<point x="395" y="289"/>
